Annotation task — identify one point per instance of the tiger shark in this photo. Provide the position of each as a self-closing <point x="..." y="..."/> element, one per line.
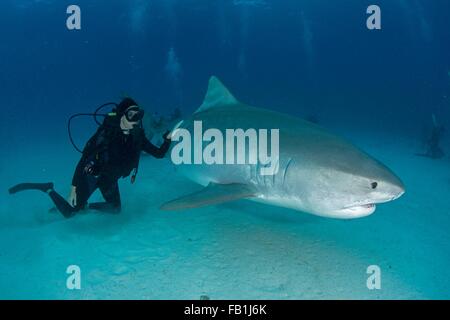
<point x="318" y="172"/>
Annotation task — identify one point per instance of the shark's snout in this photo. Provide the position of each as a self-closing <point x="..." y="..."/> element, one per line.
<point x="385" y="188"/>
<point x="388" y="190"/>
<point x="399" y="191"/>
<point x="395" y="188"/>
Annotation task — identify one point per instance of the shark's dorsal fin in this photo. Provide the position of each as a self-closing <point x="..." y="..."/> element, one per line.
<point x="211" y="195"/>
<point x="218" y="95"/>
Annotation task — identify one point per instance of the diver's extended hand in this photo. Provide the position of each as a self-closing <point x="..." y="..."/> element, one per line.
<point x="170" y="134"/>
<point x="73" y="196"/>
<point x="167" y="135"/>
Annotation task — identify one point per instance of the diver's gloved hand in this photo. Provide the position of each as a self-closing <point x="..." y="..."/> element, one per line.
<point x="73" y="196"/>
<point x="167" y="135"/>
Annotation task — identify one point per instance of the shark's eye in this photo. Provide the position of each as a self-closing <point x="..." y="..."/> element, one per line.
<point x="374" y="185"/>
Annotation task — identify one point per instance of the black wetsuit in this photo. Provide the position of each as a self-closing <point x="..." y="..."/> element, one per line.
<point x="108" y="156"/>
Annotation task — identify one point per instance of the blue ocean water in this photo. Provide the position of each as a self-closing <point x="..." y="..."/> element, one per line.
<point x="313" y="59"/>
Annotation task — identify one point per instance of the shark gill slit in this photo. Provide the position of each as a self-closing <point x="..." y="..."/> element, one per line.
<point x="274" y="175"/>
<point x="286" y="170"/>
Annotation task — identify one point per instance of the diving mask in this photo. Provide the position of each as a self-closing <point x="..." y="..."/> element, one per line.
<point x="134" y="114"/>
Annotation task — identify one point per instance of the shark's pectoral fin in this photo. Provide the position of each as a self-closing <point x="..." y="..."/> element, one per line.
<point x="210" y="195"/>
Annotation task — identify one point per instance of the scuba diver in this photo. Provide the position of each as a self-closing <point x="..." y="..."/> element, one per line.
<point x="434" y="150"/>
<point x="112" y="153"/>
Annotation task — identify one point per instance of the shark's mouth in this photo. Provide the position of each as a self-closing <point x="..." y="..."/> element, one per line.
<point x="367" y="206"/>
<point x="359" y="210"/>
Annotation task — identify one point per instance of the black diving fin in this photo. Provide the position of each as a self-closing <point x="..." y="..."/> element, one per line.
<point x="44" y="187"/>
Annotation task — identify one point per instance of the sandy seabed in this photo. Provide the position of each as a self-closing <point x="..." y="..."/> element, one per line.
<point x="240" y="250"/>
